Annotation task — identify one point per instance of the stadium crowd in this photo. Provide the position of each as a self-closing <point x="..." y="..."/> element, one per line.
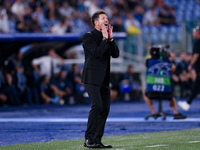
<point x="54" y="82"/>
<point x="56" y="16"/>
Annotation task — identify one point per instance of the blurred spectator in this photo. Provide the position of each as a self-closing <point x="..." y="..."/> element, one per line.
<point x="80" y="6"/>
<point x="33" y="4"/>
<point x="86" y="20"/>
<point x="139" y="13"/>
<point x="61" y="27"/>
<point x="18" y="7"/>
<point x="23" y="25"/>
<point x="130" y="89"/>
<point x="66" y="10"/>
<point x="149" y="3"/>
<point x="62" y="87"/>
<point x="183" y="75"/>
<point x="8" y="7"/>
<point x="121" y="5"/>
<point x="118" y="25"/>
<point x="78" y="88"/>
<point x="36" y="25"/>
<point x="77" y="24"/>
<point x="3" y="97"/>
<point x="132" y="4"/>
<point x="10" y="90"/>
<point x="131" y="22"/>
<point x="166" y="16"/>
<point x="171" y="16"/>
<point x="48" y="65"/>
<point x="4" y="25"/>
<point x="163" y="16"/>
<point x="52" y="13"/>
<point x="39" y="15"/>
<point x="47" y="94"/>
<point x="150" y="17"/>
<point x="159" y="3"/>
<point x="91" y="6"/>
<point x="194" y="66"/>
<point x="28" y="19"/>
<point x="174" y="77"/>
<point x="21" y="80"/>
<point x="108" y="6"/>
<point x="114" y="90"/>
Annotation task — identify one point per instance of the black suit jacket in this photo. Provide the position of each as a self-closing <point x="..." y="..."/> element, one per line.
<point x="97" y="58"/>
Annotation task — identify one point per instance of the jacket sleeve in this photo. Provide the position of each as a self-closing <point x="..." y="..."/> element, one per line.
<point x="114" y="49"/>
<point x="89" y="44"/>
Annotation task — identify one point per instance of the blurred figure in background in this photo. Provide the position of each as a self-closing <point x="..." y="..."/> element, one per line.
<point x="78" y="88"/>
<point x="130" y="89"/>
<point x="150" y="17"/>
<point x="66" y="10"/>
<point x="183" y="74"/>
<point x="11" y="91"/>
<point x="48" y="65"/>
<point x="3" y="97"/>
<point x="16" y="68"/>
<point x="195" y="63"/>
<point x="62" y="87"/>
<point x="18" y="7"/>
<point x="61" y="27"/>
<point x="118" y="25"/>
<point x="4" y="25"/>
<point x="47" y="92"/>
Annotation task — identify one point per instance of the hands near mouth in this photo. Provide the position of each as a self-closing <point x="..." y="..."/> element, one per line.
<point x="107" y="31"/>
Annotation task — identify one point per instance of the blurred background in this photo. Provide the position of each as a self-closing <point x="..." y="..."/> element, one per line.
<point x="41" y="54"/>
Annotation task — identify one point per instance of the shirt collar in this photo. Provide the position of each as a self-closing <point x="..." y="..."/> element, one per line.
<point x="99" y="33"/>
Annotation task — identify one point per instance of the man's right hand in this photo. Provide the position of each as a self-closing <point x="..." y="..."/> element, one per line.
<point x="104" y="31"/>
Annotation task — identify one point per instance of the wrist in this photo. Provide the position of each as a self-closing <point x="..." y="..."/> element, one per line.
<point x="110" y="39"/>
<point x="104" y="39"/>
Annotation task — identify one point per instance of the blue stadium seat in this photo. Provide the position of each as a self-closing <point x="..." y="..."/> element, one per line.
<point x="164" y="30"/>
<point x="154" y="34"/>
<point x="146" y="34"/>
<point x="173" y="34"/>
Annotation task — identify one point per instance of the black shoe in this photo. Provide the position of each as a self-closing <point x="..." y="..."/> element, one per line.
<point x="89" y="144"/>
<point x="100" y="145"/>
<point x="179" y="116"/>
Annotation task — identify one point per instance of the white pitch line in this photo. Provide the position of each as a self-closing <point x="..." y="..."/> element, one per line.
<point x="85" y="120"/>
<point x="193" y="141"/>
<point x="155" y="146"/>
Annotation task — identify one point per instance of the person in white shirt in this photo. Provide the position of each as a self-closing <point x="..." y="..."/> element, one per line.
<point x="4" y="25"/>
<point x="150" y="17"/>
<point x="46" y="65"/>
<point x="18" y="7"/>
<point x="60" y="28"/>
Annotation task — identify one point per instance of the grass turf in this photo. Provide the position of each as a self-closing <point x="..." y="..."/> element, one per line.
<point x="166" y="140"/>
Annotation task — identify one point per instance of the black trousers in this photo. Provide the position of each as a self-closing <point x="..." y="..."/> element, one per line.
<point x="100" y="107"/>
<point x="195" y="89"/>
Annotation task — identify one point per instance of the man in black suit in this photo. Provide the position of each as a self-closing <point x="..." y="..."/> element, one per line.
<point x="98" y="46"/>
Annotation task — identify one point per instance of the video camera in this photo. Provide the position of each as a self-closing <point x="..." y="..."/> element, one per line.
<point x="160" y="51"/>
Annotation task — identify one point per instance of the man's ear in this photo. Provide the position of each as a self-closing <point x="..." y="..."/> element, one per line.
<point x="96" y="23"/>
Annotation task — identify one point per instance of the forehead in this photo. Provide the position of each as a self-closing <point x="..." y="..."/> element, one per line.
<point x="102" y="16"/>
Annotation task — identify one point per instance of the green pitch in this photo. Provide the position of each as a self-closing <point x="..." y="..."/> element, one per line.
<point x="167" y="140"/>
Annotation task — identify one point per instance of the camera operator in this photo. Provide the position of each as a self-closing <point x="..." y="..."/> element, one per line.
<point x="159" y="69"/>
